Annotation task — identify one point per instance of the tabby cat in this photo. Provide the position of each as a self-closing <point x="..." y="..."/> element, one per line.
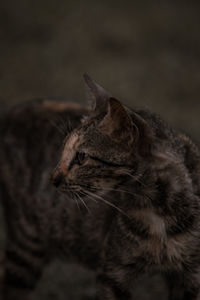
<point x="137" y="179"/>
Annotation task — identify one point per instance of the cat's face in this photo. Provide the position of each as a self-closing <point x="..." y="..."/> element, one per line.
<point x="92" y="160"/>
<point x="102" y="153"/>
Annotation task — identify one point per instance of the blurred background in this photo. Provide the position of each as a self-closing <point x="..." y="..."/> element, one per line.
<point x="146" y="53"/>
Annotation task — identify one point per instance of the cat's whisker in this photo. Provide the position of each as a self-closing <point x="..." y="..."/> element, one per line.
<point x="135" y="178"/>
<point x="108" y="189"/>
<point x="139" y="181"/>
<point x="118" y="190"/>
<point x="94" y="189"/>
<point x="108" y="203"/>
<point x="90" y="197"/>
<point x="125" y="191"/>
<point x="85" y="194"/>
<point x="75" y="197"/>
<point x="89" y="211"/>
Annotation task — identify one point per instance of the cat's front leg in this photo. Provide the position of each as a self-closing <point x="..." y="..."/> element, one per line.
<point x="121" y="265"/>
<point x="116" y="280"/>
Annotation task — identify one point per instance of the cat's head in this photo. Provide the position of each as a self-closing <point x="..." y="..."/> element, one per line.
<point x="109" y="147"/>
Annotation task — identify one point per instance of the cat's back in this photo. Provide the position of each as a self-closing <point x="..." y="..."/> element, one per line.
<point x="191" y="156"/>
<point x="42" y="116"/>
<point x="31" y="136"/>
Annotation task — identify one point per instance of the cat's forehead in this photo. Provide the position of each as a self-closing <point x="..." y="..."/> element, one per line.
<point x="83" y="137"/>
<point x="72" y="141"/>
<point x="70" y="148"/>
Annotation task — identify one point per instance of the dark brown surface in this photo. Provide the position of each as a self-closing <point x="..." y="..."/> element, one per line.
<point x="147" y="53"/>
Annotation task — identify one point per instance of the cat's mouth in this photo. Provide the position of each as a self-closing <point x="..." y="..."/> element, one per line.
<point x="69" y="189"/>
<point x="82" y="192"/>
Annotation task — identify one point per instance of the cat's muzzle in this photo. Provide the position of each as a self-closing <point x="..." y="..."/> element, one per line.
<point x="57" y="178"/>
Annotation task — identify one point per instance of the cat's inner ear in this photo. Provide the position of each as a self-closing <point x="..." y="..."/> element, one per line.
<point x="97" y="95"/>
<point x="117" y="122"/>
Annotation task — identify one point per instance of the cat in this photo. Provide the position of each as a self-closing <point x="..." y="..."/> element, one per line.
<point x="135" y="180"/>
<point x="31" y="136"/>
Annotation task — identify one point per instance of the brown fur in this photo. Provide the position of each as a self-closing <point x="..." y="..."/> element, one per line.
<point x="136" y="182"/>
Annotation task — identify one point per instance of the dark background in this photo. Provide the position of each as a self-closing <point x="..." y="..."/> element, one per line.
<point x="146" y="53"/>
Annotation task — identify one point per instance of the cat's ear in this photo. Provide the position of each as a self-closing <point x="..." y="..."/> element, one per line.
<point x="130" y="129"/>
<point x="98" y="96"/>
<point x="117" y="122"/>
<point x="145" y="135"/>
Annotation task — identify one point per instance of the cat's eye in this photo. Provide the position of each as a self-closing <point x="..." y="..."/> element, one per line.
<point x="80" y="158"/>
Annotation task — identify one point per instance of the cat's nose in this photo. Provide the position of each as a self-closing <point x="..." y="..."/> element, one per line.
<point x="57" y="178"/>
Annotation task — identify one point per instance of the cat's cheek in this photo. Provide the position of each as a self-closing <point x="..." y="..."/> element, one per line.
<point x="105" y="186"/>
<point x="74" y="173"/>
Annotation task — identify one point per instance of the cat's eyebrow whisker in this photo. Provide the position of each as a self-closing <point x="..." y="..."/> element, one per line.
<point x="108" y="203"/>
<point x="64" y="122"/>
<point x="59" y="128"/>
<point x="58" y="123"/>
<point x="62" y="125"/>
<point x="68" y="124"/>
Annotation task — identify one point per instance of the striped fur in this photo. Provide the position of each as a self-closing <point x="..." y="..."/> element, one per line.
<point x="139" y="200"/>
